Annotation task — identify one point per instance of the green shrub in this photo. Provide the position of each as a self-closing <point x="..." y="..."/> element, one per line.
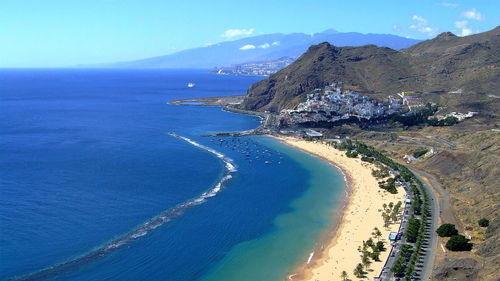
<point x="458" y="243"/>
<point x="367" y="159"/>
<point x="447" y="230"/>
<point x="419" y="153"/>
<point x="484" y="222"/>
<point x="351" y="154"/>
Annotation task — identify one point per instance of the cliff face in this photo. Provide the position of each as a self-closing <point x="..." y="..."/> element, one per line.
<point x="445" y="63"/>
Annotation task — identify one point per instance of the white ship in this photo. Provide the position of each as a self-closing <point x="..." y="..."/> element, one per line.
<point x="190" y="85"/>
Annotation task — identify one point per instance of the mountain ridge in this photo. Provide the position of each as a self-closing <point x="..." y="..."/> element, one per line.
<point x="443" y="64"/>
<point x="260" y="48"/>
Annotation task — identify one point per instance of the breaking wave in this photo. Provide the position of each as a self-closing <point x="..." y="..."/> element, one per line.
<point x="143" y="229"/>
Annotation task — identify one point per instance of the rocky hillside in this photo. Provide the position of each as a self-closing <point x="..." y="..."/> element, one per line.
<point x="447" y="63"/>
<point x="472" y="176"/>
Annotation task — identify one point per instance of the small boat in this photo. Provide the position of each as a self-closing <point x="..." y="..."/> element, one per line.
<point x="191" y="85"/>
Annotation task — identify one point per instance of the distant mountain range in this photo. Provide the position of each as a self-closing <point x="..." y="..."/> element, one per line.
<point x="467" y="66"/>
<point x="261" y="48"/>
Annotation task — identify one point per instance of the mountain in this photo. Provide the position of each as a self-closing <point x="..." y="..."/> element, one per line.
<point x="460" y="74"/>
<point x="262" y="48"/>
<point x="447" y="63"/>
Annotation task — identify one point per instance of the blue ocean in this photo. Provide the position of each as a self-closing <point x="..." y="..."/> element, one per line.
<point x="101" y="179"/>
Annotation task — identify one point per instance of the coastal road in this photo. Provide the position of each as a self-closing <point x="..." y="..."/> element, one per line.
<point x="446" y="213"/>
<point x="430" y="254"/>
<point x="430" y="247"/>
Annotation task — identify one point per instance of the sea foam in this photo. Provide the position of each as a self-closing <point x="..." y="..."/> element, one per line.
<point x="146" y="227"/>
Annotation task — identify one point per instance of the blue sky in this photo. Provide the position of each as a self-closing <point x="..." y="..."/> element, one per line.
<point x="51" y="33"/>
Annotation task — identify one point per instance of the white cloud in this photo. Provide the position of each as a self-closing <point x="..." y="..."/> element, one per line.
<point x="234" y="33"/>
<point x="461" y="24"/>
<point x="422" y="26"/>
<point x="473" y="14"/>
<point x="465" y="29"/>
<point x="449" y="5"/>
<point x="396" y="27"/>
<point x="247" y="47"/>
<point x="466" y="32"/>
<point x="208" y="44"/>
<point x="262" y="46"/>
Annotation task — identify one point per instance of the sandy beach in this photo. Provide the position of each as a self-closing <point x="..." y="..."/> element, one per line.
<point x="362" y="213"/>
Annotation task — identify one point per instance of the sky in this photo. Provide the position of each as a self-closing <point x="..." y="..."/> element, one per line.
<point x="64" y="33"/>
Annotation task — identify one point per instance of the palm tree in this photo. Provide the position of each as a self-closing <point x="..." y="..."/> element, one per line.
<point x="369" y="242"/>
<point x="343" y="275"/>
<point x="366" y="261"/>
<point x="394" y="217"/>
<point x="387" y="219"/>
<point x="358" y="271"/>
<point x="378" y="234"/>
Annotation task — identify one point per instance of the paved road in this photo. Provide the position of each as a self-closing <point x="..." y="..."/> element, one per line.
<point x="430" y="254"/>
<point x="451" y="144"/>
<point x="430" y="247"/>
<point x="391" y="260"/>
<point x="446" y="213"/>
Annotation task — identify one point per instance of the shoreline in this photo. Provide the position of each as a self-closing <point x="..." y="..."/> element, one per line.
<point x="209" y="101"/>
<point x="329" y="258"/>
<point x="329" y="237"/>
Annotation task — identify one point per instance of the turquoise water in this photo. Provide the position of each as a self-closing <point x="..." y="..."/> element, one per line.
<point x="94" y="188"/>
<point x="295" y="233"/>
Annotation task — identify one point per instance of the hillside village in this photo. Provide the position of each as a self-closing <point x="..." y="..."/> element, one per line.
<point x="334" y="103"/>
